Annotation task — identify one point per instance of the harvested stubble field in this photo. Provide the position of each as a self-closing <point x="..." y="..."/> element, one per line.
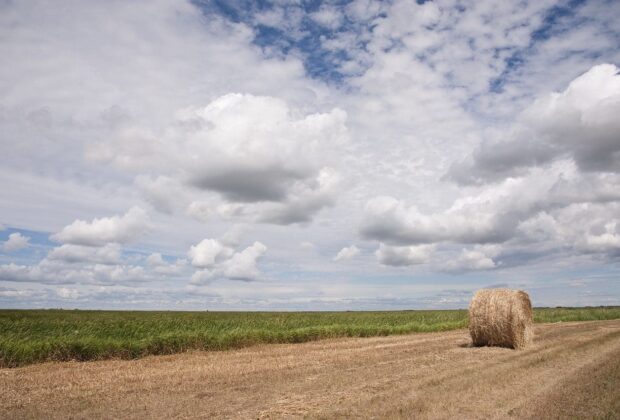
<point x="571" y="371"/>
<point x="59" y="335"/>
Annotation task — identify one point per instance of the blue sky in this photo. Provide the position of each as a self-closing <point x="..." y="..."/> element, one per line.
<point x="308" y="155"/>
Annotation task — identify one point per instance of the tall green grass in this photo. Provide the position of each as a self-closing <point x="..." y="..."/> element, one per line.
<point x="55" y="335"/>
<point x="576" y="314"/>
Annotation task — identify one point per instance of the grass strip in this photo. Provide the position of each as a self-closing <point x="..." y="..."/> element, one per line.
<point x="33" y="336"/>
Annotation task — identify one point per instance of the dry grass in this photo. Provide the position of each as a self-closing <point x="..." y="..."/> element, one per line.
<point x="501" y="317"/>
<point x="435" y="375"/>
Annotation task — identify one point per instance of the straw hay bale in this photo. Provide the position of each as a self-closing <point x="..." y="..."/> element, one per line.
<point x="501" y="317"/>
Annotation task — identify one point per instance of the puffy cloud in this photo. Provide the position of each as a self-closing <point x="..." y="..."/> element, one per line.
<point x="202" y="277"/>
<point x="607" y="241"/>
<point x="160" y="266"/>
<point x="155" y="260"/>
<point x="469" y="221"/>
<point x="308" y="200"/>
<point x="480" y="257"/>
<point x="94" y="265"/>
<point x="15" y="242"/>
<point x="219" y="261"/>
<point x="404" y="255"/>
<point x="208" y="252"/>
<point x="329" y="17"/>
<point x="347" y="253"/>
<point x="265" y="160"/>
<point x="305" y="201"/>
<point x="200" y="210"/>
<point x="177" y="268"/>
<point x="509" y="194"/>
<point x="493" y="214"/>
<point x="307" y="246"/>
<point x="555" y="210"/>
<point x="242" y="265"/>
<point x="580" y="228"/>
<point x="256" y="149"/>
<point x="107" y="254"/>
<point x="579" y="123"/>
<point x="593" y="227"/>
<point x="14" y="293"/>
<point x="198" y="60"/>
<point x="118" y="229"/>
<point x="56" y="271"/>
<point x="67" y="293"/>
<point x="165" y="194"/>
<point x="14" y="272"/>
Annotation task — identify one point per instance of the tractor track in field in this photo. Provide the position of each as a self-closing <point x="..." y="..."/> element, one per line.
<point x="572" y="370"/>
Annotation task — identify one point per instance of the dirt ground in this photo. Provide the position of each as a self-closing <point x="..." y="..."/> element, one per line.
<point x="573" y="370"/>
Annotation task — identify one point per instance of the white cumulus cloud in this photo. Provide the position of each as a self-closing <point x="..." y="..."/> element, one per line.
<point x="107" y="254"/>
<point x="218" y="261"/>
<point x="67" y="293"/>
<point x="347" y="253"/>
<point x="208" y="252"/>
<point x="404" y="255"/>
<point x="117" y="229"/>
<point x="579" y="123"/>
<point x="155" y="259"/>
<point x="15" y="242"/>
<point x="479" y="257"/>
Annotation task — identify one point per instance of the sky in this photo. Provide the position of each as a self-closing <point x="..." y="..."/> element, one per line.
<point x="308" y="155"/>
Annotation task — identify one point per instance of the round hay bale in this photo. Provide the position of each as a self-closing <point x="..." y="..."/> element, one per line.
<point x="501" y="317"/>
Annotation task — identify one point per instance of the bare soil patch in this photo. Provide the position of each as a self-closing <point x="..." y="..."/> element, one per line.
<point x="572" y="370"/>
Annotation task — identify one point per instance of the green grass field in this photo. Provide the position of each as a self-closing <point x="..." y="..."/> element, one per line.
<point x="44" y="335"/>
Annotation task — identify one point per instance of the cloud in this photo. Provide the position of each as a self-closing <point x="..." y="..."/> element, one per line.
<point x="14" y="272"/>
<point x="254" y="149"/>
<point x="264" y="159"/>
<point x="165" y="194"/>
<point x="15" y="242"/>
<point x="242" y="265"/>
<point x="602" y="236"/>
<point x="329" y="17"/>
<point x="67" y="293"/>
<point x="399" y="256"/>
<point x="347" y="253"/>
<point x="232" y="237"/>
<point x="107" y="254"/>
<point x="536" y="186"/>
<point x="200" y="210"/>
<point x="199" y="60"/>
<point x="540" y="207"/>
<point x="155" y="260"/>
<point x="161" y="267"/>
<point x="579" y="123"/>
<point x="94" y="265"/>
<point x="15" y="293"/>
<point x="468" y="221"/>
<point x="208" y="252"/>
<point x="114" y="229"/>
<point x="307" y="246"/>
<point x="218" y="261"/>
<point x="306" y="202"/>
<point x="54" y="272"/>
<point x="477" y="258"/>
<point x="300" y="207"/>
